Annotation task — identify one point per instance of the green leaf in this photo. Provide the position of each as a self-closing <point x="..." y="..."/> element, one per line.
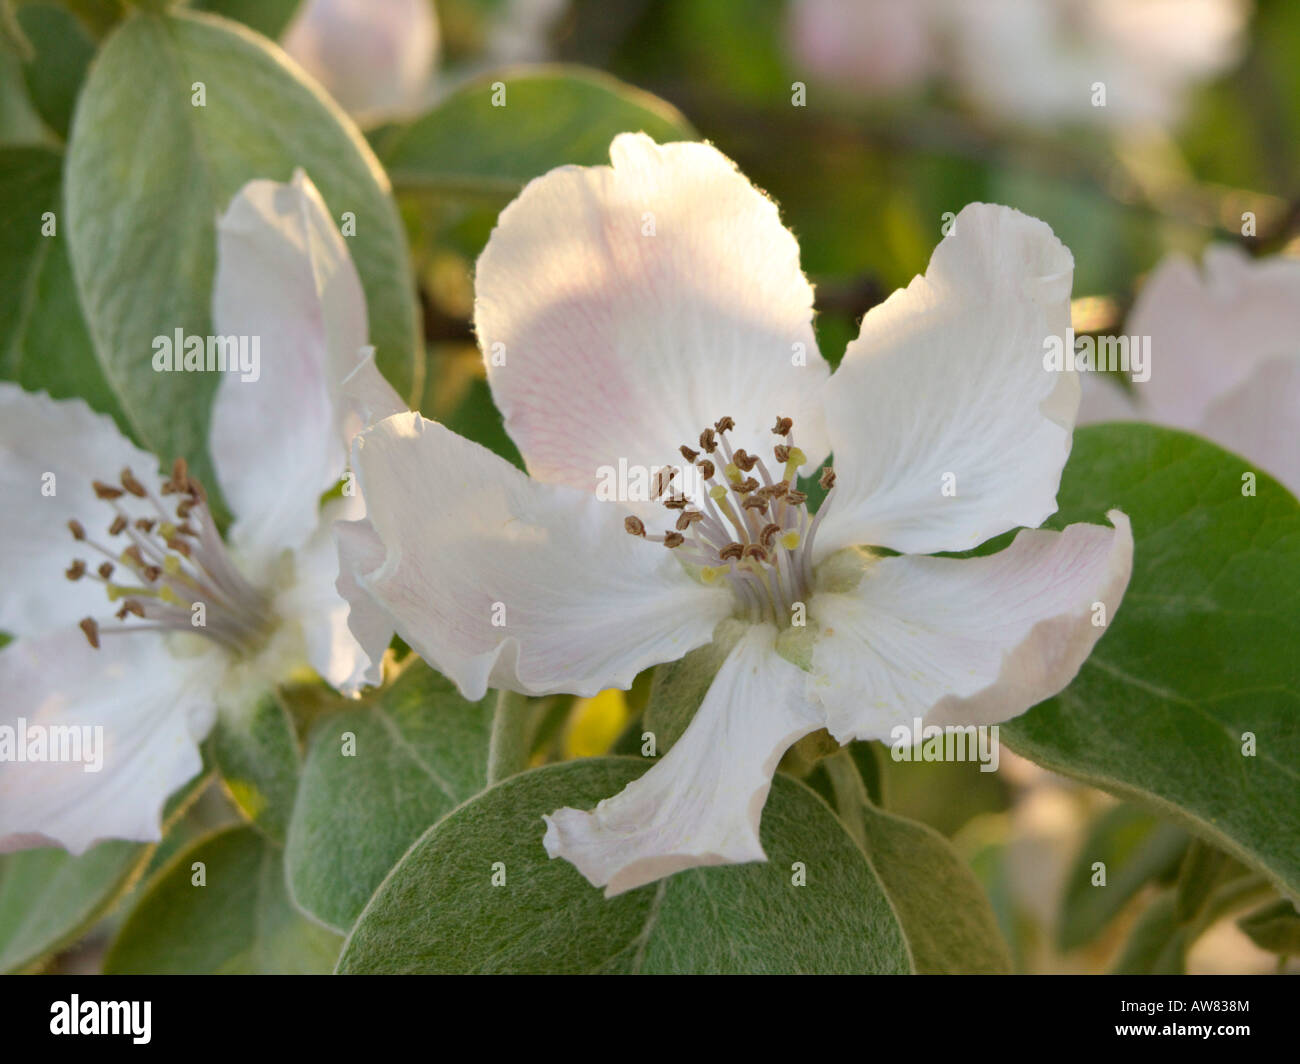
<point x="1158" y="944"/>
<point x="48" y="898"/>
<point x="417" y="751"/>
<point x="553" y="115"/>
<point x="63" y="50"/>
<point x="44" y="345"/>
<point x="1203" y="869"/>
<point x="438" y="910"/>
<point x="946" y="916"/>
<point x="1274" y="927"/>
<point x="256" y="754"/>
<point x="1200" y="653"/>
<point x="678" y="688"/>
<point x="268" y="17"/>
<point x="147" y="174"/>
<point x="241" y="921"/>
<point x="1137" y="848"/>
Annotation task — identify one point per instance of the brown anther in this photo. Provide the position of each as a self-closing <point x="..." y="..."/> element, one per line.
<point x="769" y="533"/>
<point x="77" y="531"/>
<point x="662" y="478"/>
<point x="827" y="479"/>
<point x="782" y="453"/>
<point x="187" y="530"/>
<point x="673" y="539"/>
<point x="707" y="469"/>
<point x="91" y="629"/>
<point x="118" y="526"/>
<point x="634" y="526"/>
<point x="688" y="454"/>
<point x="755" y="502"/>
<point x="676" y="502"/>
<point x="76" y="570"/>
<point x="152" y="572"/>
<point x="725" y="424"/>
<point x="132" y="485"/>
<point x="687" y="518"/>
<point x="183" y="510"/>
<point x="106" y="570"/>
<point x="795" y="498"/>
<point x="708" y="441"/>
<point x="783" y="426"/>
<point x="779" y="489"/>
<point x="106" y="491"/>
<point x="744" y="461"/>
<point x="732" y="550"/>
<point x="195" y="490"/>
<point x="180" y="473"/>
<point x="179" y="546"/>
<point x="131" y="606"/>
<point x="755" y="550"/>
<point x="746" y="486"/>
<point x="144" y="524"/>
<point x="133" y="555"/>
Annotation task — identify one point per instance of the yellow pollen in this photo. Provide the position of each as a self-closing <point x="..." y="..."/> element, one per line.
<point x="791" y="540"/>
<point x="170" y="597"/>
<point x="717" y="493"/>
<point x="171" y="565"/>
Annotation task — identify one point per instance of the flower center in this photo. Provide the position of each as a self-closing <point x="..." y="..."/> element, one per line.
<point x="755" y="532"/>
<point x="181" y="577"/>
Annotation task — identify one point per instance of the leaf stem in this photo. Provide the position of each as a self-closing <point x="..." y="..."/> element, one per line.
<point x="508" y="746"/>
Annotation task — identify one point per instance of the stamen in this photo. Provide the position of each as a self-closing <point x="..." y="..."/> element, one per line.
<point x="688" y="454"/>
<point x="634" y="525"/>
<point x="76" y="570"/>
<point x="91" y="629"/>
<point x="119" y="523"/>
<point x="783" y="426"/>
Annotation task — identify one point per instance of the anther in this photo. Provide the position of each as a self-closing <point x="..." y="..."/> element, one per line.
<point x="132" y="554"/>
<point x="707" y="469"/>
<point x="725" y="424"/>
<point x="782" y="453"/>
<point x="687" y="518"/>
<point x="91" y="629"/>
<point x="769" y="533"/>
<point x="708" y="441"/>
<point x="688" y="454"/>
<point x="732" y="550"/>
<point x="106" y="491"/>
<point x="673" y="539"/>
<point x="744" y="460"/>
<point x="662" y="478"/>
<point x="179" y="546"/>
<point x="783" y="426"/>
<point x="77" y="531"/>
<point x="746" y="486"/>
<point x="755" y="502"/>
<point x="827" y="479"/>
<point x="152" y="572"/>
<point x="634" y="526"/>
<point x="106" y="570"/>
<point x="76" y="570"/>
<point x="144" y="524"/>
<point x="118" y="526"/>
<point x="756" y="551"/>
<point x="796" y="498"/>
<point x="676" y="502"/>
<point x="132" y="485"/>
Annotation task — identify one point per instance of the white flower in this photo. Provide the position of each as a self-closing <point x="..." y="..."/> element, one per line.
<point x="375" y="57"/>
<point x="1225" y="356"/>
<point x="871" y="46"/>
<point x="608" y="338"/>
<point x="1037" y="60"/>
<point x="113" y="643"/>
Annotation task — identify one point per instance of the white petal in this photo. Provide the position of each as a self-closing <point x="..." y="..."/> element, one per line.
<point x="966" y="640"/>
<point x="314" y="603"/>
<point x="284" y="277"/>
<point x="375" y="57"/>
<point x="702" y="803"/>
<point x="579" y="604"/>
<point x="1257" y="419"/>
<point x="153" y="709"/>
<point x="946" y="426"/>
<point x="879" y="47"/>
<point x="39" y="437"/>
<point x="1211" y="329"/>
<point x="360" y="552"/>
<point x="606" y="341"/>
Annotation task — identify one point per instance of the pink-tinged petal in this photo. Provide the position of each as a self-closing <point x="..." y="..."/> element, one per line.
<point x="498" y="580"/>
<point x="50" y="452"/>
<point x="966" y="640"/>
<point x="946" y="425"/>
<point x="313" y="602"/>
<point x="623" y="309"/>
<point x="879" y="47"/>
<point x="1258" y="419"/>
<point x="375" y="57"/>
<point x="1211" y="329"/>
<point x="701" y="804"/>
<point x="153" y="708"/>
<point x="285" y="279"/>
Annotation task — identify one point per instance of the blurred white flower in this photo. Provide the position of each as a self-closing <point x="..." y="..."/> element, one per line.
<point x="375" y="57"/>
<point x="870" y="46"/>
<point x="1225" y="357"/>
